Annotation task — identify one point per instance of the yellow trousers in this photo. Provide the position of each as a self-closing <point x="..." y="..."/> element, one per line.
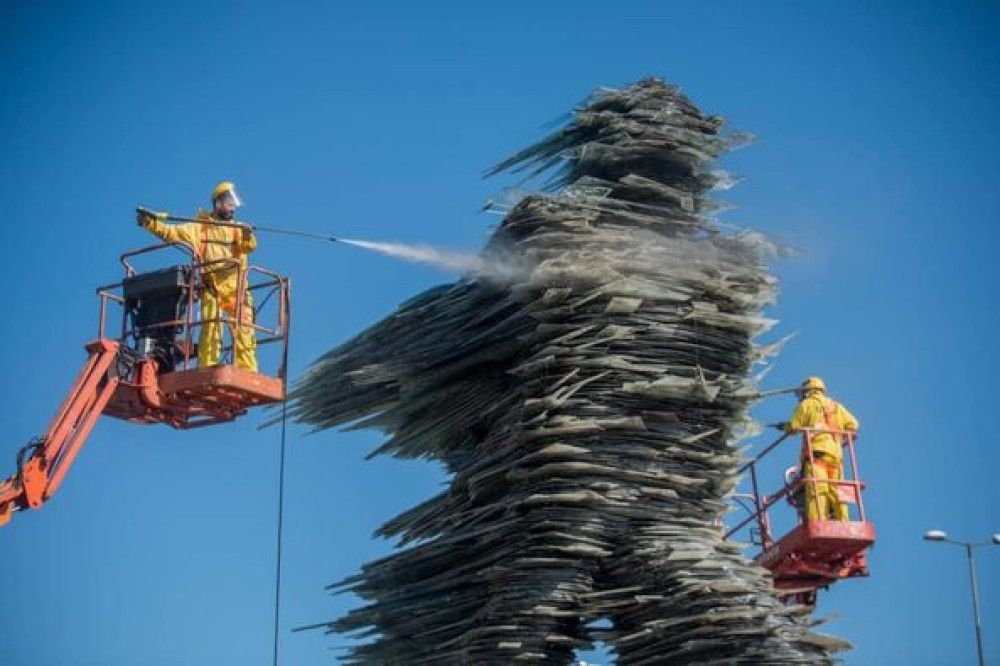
<point x="822" y="501"/>
<point x="210" y="338"/>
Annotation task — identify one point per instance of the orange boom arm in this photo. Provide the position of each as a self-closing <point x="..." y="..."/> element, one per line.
<point x="43" y="463"/>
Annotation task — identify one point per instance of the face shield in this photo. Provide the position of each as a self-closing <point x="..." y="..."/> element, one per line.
<point x="229" y="196"/>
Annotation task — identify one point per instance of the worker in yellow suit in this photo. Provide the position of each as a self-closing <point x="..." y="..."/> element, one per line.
<point x="230" y="246"/>
<point x="816" y="410"/>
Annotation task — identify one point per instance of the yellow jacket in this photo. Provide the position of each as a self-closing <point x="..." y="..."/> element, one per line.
<point x="818" y="411"/>
<point x="211" y="243"/>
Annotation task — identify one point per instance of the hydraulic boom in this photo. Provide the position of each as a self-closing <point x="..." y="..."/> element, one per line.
<point x="43" y="463"/>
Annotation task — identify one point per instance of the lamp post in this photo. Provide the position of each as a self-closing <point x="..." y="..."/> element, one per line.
<point x="939" y="535"/>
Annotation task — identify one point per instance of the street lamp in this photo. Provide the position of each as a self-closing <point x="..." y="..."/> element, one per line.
<point x="939" y="535"/>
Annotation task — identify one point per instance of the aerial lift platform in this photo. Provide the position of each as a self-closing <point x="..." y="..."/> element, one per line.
<point x="146" y="371"/>
<point x="814" y="553"/>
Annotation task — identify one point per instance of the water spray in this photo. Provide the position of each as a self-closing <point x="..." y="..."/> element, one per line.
<point x="462" y="262"/>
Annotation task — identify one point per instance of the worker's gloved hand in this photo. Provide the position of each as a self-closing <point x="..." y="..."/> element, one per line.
<point x="144" y="216"/>
<point x="247" y="233"/>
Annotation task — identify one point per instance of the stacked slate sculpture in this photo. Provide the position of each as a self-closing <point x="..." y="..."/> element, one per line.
<point x="586" y="400"/>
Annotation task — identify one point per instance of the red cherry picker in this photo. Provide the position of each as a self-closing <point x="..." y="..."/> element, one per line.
<point x="145" y="372"/>
<point x="815" y="553"/>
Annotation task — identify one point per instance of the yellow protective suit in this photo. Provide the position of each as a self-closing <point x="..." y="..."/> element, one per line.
<point x="212" y="243"/>
<point x="818" y="411"/>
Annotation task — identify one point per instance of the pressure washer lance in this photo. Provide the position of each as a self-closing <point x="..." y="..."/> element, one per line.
<point x="768" y="394"/>
<point x="780" y="425"/>
<point x="237" y="224"/>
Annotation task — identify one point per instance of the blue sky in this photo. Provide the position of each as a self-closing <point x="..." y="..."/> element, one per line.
<point x="877" y="156"/>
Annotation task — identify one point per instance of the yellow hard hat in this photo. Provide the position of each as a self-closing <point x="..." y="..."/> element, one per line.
<point x="813" y="384"/>
<point x="226" y="188"/>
